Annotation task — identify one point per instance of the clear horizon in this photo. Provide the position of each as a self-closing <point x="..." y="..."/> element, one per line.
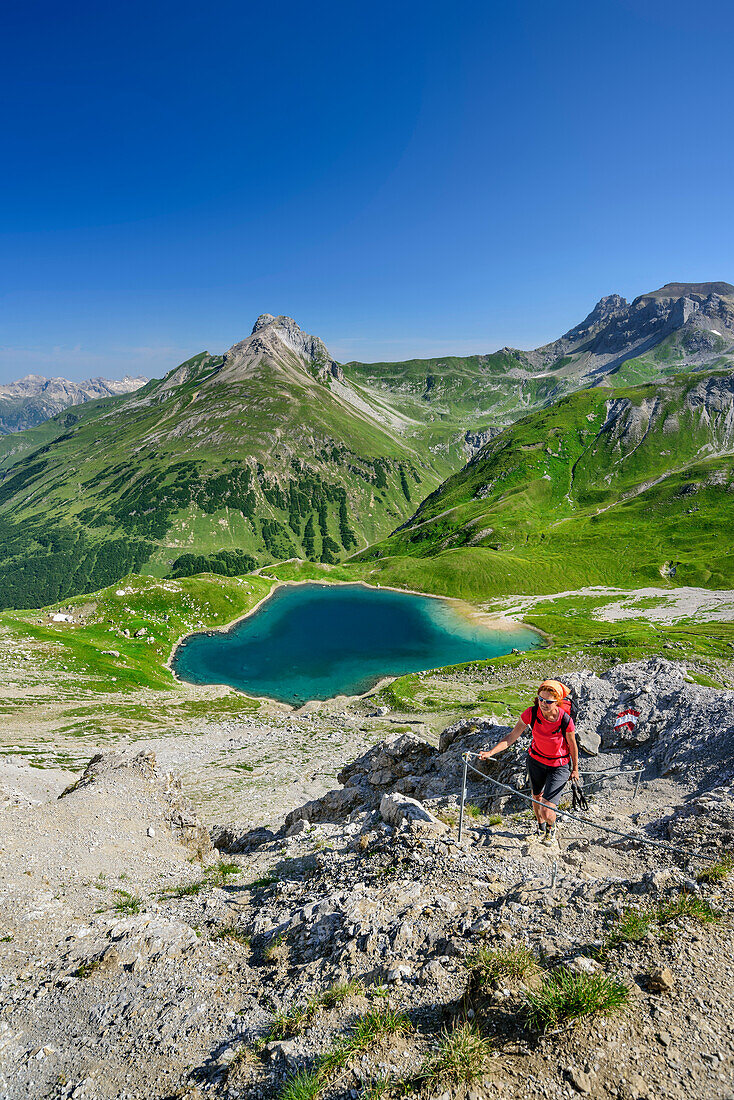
<point x="405" y="182"/>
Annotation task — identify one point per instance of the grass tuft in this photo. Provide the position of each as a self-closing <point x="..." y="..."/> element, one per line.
<point x="287" y="1024"/>
<point x="87" y="968"/>
<point x="261" y="883"/>
<point x="378" y="1088"/>
<point x="231" y="932"/>
<point x="306" y="1085"/>
<point x="631" y="926"/>
<point x="219" y="873"/>
<point x="686" y="905"/>
<point x="276" y="951"/>
<point x="380" y="1020"/>
<point x="185" y="889"/>
<point x="717" y="872"/>
<point x="514" y="963"/>
<point x="462" y="1056"/>
<point x="494" y="819"/>
<point x="244" y="1056"/>
<point x="566" y="996"/>
<point x="472" y="810"/>
<point x="339" y="993"/>
<point x="127" y="903"/>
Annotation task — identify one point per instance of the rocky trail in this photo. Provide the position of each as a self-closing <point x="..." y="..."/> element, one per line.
<point x="355" y="949"/>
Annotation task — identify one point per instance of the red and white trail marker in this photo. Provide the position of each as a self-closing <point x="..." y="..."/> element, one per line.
<point x="627" y="719"/>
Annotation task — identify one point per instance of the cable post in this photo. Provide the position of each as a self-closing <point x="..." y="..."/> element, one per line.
<point x="463" y="796"/>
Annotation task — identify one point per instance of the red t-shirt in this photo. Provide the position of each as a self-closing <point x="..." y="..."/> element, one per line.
<point x="548" y="745"/>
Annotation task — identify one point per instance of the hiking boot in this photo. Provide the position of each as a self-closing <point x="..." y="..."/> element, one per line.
<point x="550" y="834"/>
<point x="539" y="829"/>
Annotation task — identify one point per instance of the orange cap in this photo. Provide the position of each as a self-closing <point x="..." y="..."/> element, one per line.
<point x="559" y="690"/>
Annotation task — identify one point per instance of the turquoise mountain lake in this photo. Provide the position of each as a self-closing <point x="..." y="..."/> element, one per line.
<point x="315" y="641"/>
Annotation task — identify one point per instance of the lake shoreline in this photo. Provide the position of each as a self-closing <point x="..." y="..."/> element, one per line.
<point x="462" y="608"/>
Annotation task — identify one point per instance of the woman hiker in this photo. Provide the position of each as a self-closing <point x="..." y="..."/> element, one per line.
<point x="553" y="756"/>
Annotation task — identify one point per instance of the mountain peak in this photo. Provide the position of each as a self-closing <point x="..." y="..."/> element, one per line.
<point x="273" y="336"/>
<point x="605" y="308"/>
<point x="263" y="320"/>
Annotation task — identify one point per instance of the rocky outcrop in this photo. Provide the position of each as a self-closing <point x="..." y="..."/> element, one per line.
<point x="397" y="809"/>
<point x="680" y="727"/>
<point x="133" y="942"/>
<point x="272" y="335"/>
<point x="701" y="314"/>
<point x="111" y="773"/>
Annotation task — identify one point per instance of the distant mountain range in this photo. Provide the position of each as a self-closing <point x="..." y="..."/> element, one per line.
<point x="274" y="450"/>
<point x="33" y="399"/>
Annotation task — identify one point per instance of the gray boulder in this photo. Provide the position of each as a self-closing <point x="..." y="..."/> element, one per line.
<point x="398" y="809"/>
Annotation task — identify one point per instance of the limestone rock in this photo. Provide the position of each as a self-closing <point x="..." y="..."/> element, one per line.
<point x="580" y="1080"/>
<point x="398" y="809"/>
<point x="238" y="838"/>
<point x="333" y="806"/>
<point x="660" y="979"/>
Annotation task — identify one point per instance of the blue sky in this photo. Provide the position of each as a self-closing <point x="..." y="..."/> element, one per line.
<point x="402" y="178"/>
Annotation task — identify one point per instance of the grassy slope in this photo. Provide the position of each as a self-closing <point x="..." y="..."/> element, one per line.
<point x="167" y="610"/>
<point x="145" y="481"/>
<point x="556" y="503"/>
<point x="67" y="694"/>
<point x="452" y="395"/>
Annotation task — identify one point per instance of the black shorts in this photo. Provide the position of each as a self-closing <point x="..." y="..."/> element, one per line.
<point x="548" y="781"/>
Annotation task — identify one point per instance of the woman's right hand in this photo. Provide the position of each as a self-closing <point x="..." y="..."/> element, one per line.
<point x="485" y="756"/>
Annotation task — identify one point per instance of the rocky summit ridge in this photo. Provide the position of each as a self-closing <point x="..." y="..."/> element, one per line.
<point x="699" y="316"/>
<point x="358" y="949"/>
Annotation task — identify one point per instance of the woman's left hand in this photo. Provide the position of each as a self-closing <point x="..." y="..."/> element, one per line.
<point x="575" y="774"/>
